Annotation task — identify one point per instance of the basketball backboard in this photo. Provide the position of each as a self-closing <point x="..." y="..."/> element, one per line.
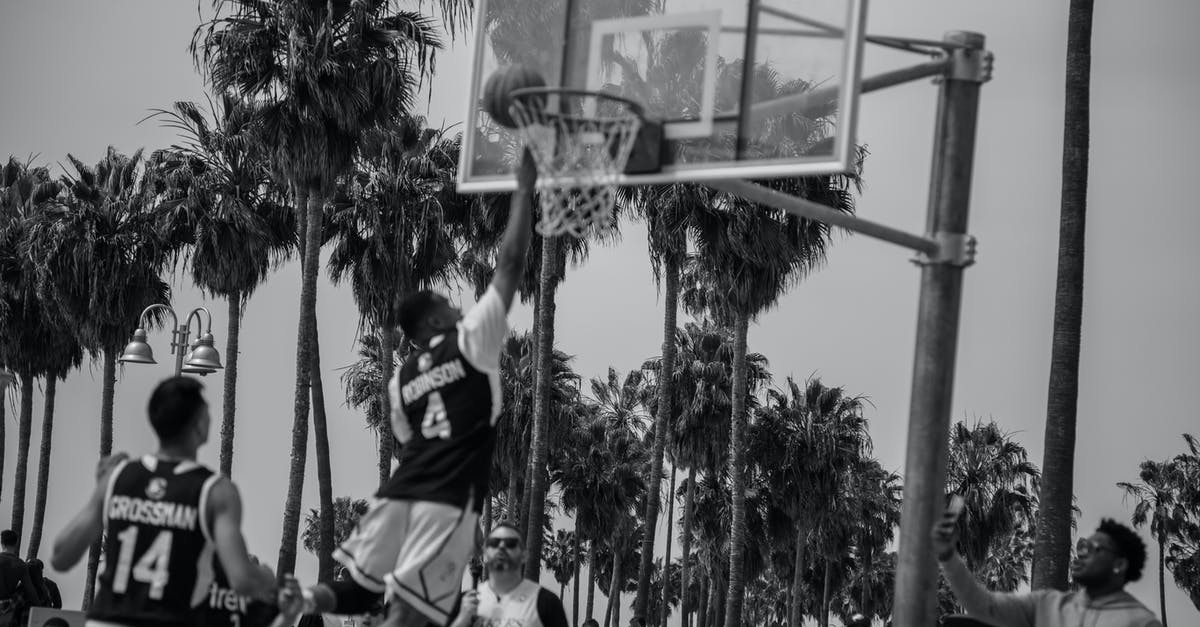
<point x="686" y="63"/>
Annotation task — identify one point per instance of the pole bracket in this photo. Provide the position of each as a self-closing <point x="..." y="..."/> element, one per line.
<point x="970" y="64"/>
<point x="954" y="249"/>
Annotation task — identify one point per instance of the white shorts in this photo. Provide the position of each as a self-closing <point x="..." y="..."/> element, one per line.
<point x="412" y="550"/>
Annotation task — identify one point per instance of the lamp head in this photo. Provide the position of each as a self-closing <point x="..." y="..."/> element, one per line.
<point x="203" y="356"/>
<point x="137" y="351"/>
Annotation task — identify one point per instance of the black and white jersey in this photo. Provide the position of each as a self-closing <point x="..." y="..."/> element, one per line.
<point x="445" y="401"/>
<point x="158" y="549"/>
<point x="225" y="608"/>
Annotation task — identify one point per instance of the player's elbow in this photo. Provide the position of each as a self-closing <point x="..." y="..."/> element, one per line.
<point x="249" y="583"/>
<point x="60" y="558"/>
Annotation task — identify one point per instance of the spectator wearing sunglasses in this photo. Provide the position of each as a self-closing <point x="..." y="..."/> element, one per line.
<point x="505" y="598"/>
<point x="1104" y="562"/>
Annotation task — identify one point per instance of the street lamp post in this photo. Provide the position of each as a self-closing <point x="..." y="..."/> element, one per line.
<point x="200" y="357"/>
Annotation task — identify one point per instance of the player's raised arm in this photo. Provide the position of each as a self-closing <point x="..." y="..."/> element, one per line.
<point x="73" y="541"/>
<point x="245" y="577"/>
<point x="510" y="262"/>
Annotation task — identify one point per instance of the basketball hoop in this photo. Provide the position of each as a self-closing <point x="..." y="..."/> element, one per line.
<point x="580" y="141"/>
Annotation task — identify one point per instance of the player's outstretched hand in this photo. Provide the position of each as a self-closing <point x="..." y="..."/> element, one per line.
<point x="945" y="536"/>
<point x="527" y="171"/>
<point x="108" y="463"/>
<point x="290" y="599"/>
<point x="467" y="609"/>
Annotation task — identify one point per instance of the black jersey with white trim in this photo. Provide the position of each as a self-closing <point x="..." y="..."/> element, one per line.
<point x="445" y="401"/>
<point x="158" y="549"/>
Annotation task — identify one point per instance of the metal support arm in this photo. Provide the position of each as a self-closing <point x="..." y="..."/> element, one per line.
<point x="816" y="211"/>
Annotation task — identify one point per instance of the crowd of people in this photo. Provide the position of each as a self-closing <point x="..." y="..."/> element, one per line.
<point x="23" y="584"/>
<point x="175" y="553"/>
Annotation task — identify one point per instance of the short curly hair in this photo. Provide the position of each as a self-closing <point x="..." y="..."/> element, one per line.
<point x="1129" y="546"/>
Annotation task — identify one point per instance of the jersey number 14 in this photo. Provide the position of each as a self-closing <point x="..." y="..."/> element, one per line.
<point x="153" y="567"/>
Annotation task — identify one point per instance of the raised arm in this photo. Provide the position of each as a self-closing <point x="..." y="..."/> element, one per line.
<point x="245" y="577"/>
<point x="73" y="541"/>
<point x="510" y="263"/>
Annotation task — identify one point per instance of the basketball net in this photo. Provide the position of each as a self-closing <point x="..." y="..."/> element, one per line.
<point x="580" y="145"/>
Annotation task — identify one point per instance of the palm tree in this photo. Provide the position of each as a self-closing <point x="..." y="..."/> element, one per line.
<point x="391" y="238"/>
<point x="667" y="210"/>
<point x="1053" y="548"/>
<point x="215" y="190"/>
<point x="699" y="436"/>
<point x="30" y="326"/>
<point x="346" y="510"/>
<point x="7" y="380"/>
<point x="748" y="255"/>
<point x="811" y="441"/>
<point x="99" y="259"/>
<point x="322" y="73"/>
<point x="560" y="558"/>
<point x="67" y="350"/>
<point x="1183" y="554"/>
<point x="1156" y="501"/>
<point x="992" y="473"/>
<point x="513" y="428"/>
<point x="601" y="477"/>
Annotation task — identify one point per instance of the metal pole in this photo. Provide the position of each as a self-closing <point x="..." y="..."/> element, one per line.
<point x="937" y="334"/>
<point x="816" y="211"/>
<point x="179" y="345"/>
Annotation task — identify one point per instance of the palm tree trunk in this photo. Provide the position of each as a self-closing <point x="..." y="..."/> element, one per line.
<point x="797" y="613"/>
<point x="311" y="202"/>
<point x="43" y="478"/>
<point x="614" y="592"/>
<point x="1162" y="584"/>
<point x="825" y="590"/>
<point x="229" y="398"/>
<point x="665" y="394"/>
<point x="737" y="477"/>
<point x="591" y="596"/>
<point x="541" y="410"/>
<point x="24" y="435"/>
<point x="325" y="561"/>
<point x="1052" y="548"/>
<point x="666" y="579"/>
<point x="108" y="388"/>
<point x="864" y="600"/>
<point x="685" y="567"/>
<point x="702" y="611"/>
<point x="387" y="337"/>
<point x="578" y="560"/>
<point x="513" y="494"/>
<point x="5" y="378"/>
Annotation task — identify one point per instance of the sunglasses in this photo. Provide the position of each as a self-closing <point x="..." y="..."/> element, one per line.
<point x="508" y="543"/>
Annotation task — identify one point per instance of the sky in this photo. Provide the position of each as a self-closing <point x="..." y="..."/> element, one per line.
<point x="78" y="76"/>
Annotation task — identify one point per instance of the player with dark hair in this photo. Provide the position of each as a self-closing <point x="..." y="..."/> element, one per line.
<point x="163" y="517"/>
<point x="506" y="598"/>
<point x="414" y="544"/>
<point x="1111" y="557"/>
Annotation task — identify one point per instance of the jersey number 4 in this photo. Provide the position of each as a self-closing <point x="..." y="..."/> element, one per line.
<point x="153" y="567"/>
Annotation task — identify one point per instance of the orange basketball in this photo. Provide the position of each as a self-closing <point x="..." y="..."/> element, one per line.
<point x="500" y="84"/>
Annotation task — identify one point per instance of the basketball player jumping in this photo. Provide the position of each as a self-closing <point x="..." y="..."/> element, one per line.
<point x="415" y="541"/>
<point x="163" y="516"/>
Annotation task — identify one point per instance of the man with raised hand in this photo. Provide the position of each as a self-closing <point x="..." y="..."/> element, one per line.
<point x="1111" y="557"/>
<point x="414" y="543"/>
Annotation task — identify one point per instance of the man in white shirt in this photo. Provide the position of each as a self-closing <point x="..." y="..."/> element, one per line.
<point x="506" y="598"/>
